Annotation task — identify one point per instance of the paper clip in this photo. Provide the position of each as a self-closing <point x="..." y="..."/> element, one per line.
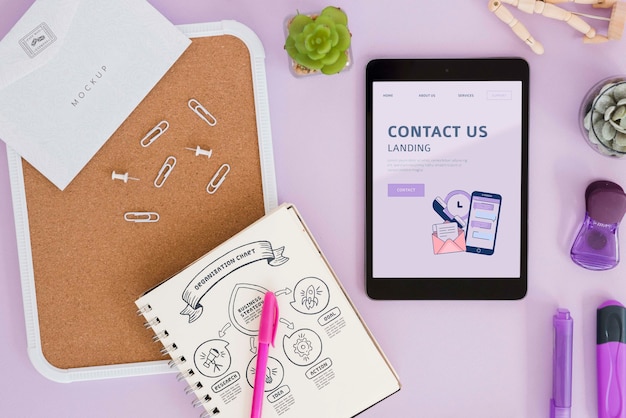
<point x="165" y="171"/>
<point x="155" y="133"/>
<point x="141" y="217"/>
<point x="217" y="179"/>
<point x="199" y="110"/>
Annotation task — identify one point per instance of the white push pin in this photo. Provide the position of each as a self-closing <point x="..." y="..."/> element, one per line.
<point x="200" y="151"/>
<point x="124" y="177"/>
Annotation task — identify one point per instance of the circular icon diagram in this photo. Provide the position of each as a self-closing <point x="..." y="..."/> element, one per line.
<point x="274" y="373"/>
<point x="310" y="296"/>
<point x="458" y="204"/>
<point x="212" y="358"/>
<point x="302" y="347"/>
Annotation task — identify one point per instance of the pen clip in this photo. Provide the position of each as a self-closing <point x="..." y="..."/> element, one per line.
<point x="269" y="319"/>
<point x="275" y="323"/>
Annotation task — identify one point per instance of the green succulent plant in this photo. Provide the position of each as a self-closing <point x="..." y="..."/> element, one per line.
<point x="605" y="120"/>
<point x="320" y="43"/>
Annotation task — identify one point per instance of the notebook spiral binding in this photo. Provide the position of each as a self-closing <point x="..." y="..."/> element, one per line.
<point x="169" y="348"/>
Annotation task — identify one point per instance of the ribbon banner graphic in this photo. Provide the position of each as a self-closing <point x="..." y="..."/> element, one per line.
<point x="222" y="267"/>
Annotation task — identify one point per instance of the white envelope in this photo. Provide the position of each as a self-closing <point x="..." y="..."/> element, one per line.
<point x="71" y="71"/>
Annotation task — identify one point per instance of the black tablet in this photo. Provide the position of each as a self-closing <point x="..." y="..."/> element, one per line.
<point x="446" y="178"/>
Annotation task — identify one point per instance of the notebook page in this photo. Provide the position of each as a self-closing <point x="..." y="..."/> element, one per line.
<point x="211" y="311"/>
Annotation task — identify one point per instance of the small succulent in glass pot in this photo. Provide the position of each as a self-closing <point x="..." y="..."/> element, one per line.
<point x="603" y="116"/>
<point x="319" y="43"/>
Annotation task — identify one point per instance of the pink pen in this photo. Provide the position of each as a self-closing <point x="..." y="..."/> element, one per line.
<point x="267" y="334"/>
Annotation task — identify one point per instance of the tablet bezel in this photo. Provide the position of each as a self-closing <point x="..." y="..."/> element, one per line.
<point x="434" y="69"/>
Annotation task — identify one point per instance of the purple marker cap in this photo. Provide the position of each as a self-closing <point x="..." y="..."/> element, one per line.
<point x="597" y="246"/>
<point x="611" y="359"/>
<point x="561" y="402"/>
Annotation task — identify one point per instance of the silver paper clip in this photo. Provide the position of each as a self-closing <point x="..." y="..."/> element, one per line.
<point x="155" y="133"/>
<point x="141" y="217"/>
<point x="165" y="171"/>
<point x="199" y="110"/>
<point x="217" y="179"/>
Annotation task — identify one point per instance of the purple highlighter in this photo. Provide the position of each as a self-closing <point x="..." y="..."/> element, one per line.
<point x="561" y="402"/>
<point x="611" y="359"/>
<point x="597" y="247"/>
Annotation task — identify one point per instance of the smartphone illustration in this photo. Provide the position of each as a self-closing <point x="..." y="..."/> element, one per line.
<point x="482" y="225"/>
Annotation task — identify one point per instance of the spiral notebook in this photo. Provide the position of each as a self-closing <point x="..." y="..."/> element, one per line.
<point x="207" y="318"/>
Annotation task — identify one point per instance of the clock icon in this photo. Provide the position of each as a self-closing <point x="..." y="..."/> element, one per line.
<point x="457" y="204"/>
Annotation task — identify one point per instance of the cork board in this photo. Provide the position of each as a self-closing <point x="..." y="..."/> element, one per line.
<point x="89" y="263"/>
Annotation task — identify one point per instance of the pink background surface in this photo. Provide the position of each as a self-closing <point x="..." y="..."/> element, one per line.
<point x="455" y="359"/>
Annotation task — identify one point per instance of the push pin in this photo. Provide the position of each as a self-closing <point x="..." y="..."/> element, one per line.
<point x="124" y="177"/>
<point x="200" y="151"/>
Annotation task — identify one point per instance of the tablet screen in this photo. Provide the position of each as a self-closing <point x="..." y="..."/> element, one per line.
<point x="447" y="179"/>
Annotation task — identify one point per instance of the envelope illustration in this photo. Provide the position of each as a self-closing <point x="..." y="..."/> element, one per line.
<point x="71" y="71"/>
<point x="449" y="245"/>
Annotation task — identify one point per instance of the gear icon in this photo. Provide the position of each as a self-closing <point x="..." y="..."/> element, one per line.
<point x="302" y="347"/>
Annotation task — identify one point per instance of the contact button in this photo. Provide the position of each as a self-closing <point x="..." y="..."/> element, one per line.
<point x="405" y="190"/>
